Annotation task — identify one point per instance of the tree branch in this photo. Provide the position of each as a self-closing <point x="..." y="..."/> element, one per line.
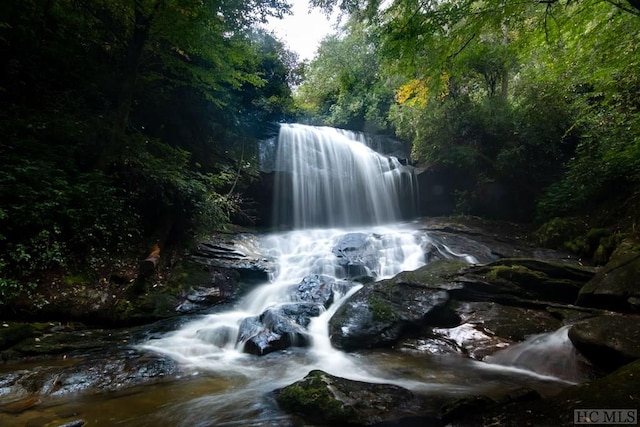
<point x="453" y="55"/>
<point x="635" y="6"/>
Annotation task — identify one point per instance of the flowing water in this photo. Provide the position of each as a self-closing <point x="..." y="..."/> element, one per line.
<point x="334" y="186"/>
<point x="330" y="177"/>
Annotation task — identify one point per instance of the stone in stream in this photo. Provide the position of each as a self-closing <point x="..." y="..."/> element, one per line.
<point x="608" y="341"/>
<point x="321" y="398"/>
<point x="382" y="312"/>
<point x="617" y="285"/>
<point x="284" y="325"/>
<point x="357" y="255"/>
<point x="315" y="288"/>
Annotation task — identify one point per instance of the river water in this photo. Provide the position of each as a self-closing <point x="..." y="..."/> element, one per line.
<point x="336" y="187"/>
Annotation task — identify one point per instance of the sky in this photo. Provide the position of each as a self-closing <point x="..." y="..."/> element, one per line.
<point x="303" y="30"/>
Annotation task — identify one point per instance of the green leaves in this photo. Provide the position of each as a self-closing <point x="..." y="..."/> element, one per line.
<point x="127" y="121"/>
<point x="345" y="86"/>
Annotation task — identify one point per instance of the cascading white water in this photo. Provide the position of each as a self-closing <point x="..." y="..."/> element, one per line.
<point x="333" y="178"/>
<point x="330" y="177"/>
<point x="335" y="181"/>
<point x="213" y="342"/>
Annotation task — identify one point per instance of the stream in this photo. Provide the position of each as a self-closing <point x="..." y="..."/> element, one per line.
<point x="335" y="200"/>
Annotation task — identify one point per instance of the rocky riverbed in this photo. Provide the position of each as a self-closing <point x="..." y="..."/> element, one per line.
<point x="512" y="293"/>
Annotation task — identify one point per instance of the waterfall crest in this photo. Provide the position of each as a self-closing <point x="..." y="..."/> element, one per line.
<point x="330" y="177"/>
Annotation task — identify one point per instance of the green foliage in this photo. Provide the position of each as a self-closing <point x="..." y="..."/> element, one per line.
<point x="558" y="231"/>
<point x="607" y="158"/>
<point x="127" y="123"/>
<point x="563" y="132"/>
<point x="344" y="85"/>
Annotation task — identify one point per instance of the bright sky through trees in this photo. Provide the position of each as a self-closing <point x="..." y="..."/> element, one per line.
<point x="304" y="29"/>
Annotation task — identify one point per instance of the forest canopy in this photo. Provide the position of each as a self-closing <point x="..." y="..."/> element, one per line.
<point x="128" y="123"/>
<point x="533" y="102"/>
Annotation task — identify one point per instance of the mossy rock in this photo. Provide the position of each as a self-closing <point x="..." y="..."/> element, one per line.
<point x="324" y="399"/>
<point x="312" y="398"/>
<point x="436" y="275"/>
<point x="13" y="332"/>
<point x="557" y="231"/>
<point x="527" y="279"/>
<point x="617" y="285"/>
<point x="608" y="341"/>
<point x="382" y="312"/>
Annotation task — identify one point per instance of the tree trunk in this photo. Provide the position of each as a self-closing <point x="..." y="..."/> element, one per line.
<point x="135" y="48"/>
<point x="505" y="67"/>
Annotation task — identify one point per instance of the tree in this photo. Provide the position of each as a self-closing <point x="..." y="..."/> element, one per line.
<point x="126" y="123"/>
<point x="563" y="72"/>
<point x="345" y="86"/>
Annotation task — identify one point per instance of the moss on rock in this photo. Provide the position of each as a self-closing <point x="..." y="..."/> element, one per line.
<point x="617" y="285"/>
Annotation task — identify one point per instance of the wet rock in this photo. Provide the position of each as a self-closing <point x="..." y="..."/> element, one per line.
<point x="431" y="345"/>
<point x="76" y="423"/>
<point x="507" y="322"/>
<point x="472" y="340"/>
<point x="239" y="252"/>
<point x="526" y="279"/>
<point x="99" y="372"/>
<point x="608" y="341"/>
<point x="285" y="325"/>
<point x="456" y="301"/>
<point x="380" y="313"/>
<point x="324" y="399"/>
<point x="617" y="284"/>
<point x="490" y="240"/>
<point x="315" y="288"/>
<point x="209" y="286"/>
<point x="277" y="328"/>
<point x="199" y="298"/>
<point x="302" y="313"/>
<point x="357" y="255"/>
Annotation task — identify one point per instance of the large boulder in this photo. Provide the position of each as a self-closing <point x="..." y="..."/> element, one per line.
<point x="380" y="313"/>
<point x="277" y="328"/>
<point x="608" y="341"/>
<point x="478" y="308"/>
<point x="508" y="322"/>
<point x="617" y="284"/>
<point x="488" y="327"/>
<point x="321" y="398"/>
<point x="315" y="288"/>
<point x="490" y="240"/>
<point x="239" y="252"/>
<point x="510" y="280"/>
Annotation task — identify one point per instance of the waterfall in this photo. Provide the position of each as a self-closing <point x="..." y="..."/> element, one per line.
<point x="330" y="177"/>
<point x="345" y="203"/>
<point x="325" y="177"/>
